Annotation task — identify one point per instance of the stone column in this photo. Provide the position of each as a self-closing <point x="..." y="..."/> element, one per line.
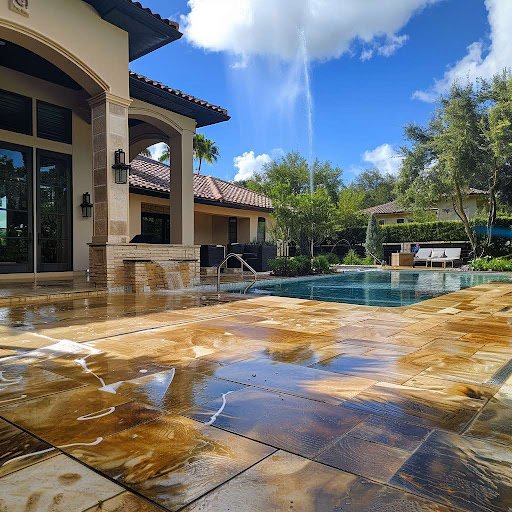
<point x="109" y="117"/>
<point x="182" y="192"/>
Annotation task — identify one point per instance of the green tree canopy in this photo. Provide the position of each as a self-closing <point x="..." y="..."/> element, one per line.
<point x="465" y="145"/>
<point x="378" y="188"/>
<point x="289" y="175"/>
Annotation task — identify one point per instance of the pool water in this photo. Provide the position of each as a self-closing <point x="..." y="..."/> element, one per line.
<point x="377" y="288"/>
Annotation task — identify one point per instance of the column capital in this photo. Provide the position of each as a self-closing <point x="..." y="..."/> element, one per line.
<point x="106" y="97"/>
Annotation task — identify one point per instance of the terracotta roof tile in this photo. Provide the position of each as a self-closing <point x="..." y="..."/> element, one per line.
<point x="387" y="208"/>
<point x="178" y="93"/>
<point x="150" y="175"/>
<point x="171" y="23"/>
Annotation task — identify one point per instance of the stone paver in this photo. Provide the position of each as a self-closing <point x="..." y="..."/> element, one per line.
<point x="283" y="404"/>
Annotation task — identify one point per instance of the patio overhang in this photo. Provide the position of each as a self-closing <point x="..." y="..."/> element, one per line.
<point x="160" y="95"/>
<point x="147" y="31"/>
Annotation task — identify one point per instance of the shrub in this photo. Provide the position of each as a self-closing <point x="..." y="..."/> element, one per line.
<point x="294" y="266"/>
<point x="373" y="243"/>
<point x="321" y="264"/>
<point x="449" y="231"/>
<point x="332" y="258"/>
<point x="303" y="265"/>
<point x="352" y="258"/>
<point x="492" y="264"/>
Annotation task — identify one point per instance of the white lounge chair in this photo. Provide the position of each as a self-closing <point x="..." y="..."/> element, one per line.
<point x="453" y="255"/>
<point x="422" y="256"/>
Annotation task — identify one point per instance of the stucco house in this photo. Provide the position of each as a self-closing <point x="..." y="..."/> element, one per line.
<point x="72" y="116"/>
<point x="393" y="213"/>
<point x="224" y="213"/>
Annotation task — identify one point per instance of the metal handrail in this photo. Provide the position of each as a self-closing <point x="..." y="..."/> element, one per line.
<point x="244" y="263"/>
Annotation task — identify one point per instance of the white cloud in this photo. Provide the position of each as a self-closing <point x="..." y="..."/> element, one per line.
<point x="384" y="158"/>
<point x="157" y="150"/>
<point x="269" y="27"/>
<point x="248" y="164"/>
<point x="481" y="60"/>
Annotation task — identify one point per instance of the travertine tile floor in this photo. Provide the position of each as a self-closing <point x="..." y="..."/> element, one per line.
<point x="126" y="403"/>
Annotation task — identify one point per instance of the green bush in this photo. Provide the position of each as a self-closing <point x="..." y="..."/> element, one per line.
<point x="303" y="265"/>
<point x="449" y="231"/>
<point x="492" y="264"/>
<point x="332" y="258"/>
<point x="321" y="265"/>
<point x="294" y="266"/>
<point x="352" y="258"/>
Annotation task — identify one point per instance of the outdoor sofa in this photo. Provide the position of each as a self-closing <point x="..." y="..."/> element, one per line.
<point x="440" y="255"/>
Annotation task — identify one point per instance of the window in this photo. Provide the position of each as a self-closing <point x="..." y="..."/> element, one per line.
<point x="261" y="233"/>
<point x="157" y="227"/>
<point x="233" y="230"/>
<point x="15" y="112"/>
<point x="400" y="221"/>
<point x="54" y="122"/>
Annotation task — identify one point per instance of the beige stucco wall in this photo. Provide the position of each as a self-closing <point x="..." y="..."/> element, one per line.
<point x="392" y="218"/>
<point x="446" y="211"/>
<point x="71" y="34"/>
<point x="80" y="150"/>
<point x="210" y="222"/>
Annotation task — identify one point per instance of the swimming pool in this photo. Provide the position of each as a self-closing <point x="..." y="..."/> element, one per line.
<point x="376" y="288"/>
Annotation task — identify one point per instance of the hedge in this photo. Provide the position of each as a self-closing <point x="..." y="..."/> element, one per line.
<point x="446" y="231"/>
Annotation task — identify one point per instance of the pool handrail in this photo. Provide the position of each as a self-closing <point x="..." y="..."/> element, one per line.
<point x="244" y="264"/>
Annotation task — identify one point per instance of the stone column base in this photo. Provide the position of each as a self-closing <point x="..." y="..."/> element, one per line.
<point x="143" y="267"/>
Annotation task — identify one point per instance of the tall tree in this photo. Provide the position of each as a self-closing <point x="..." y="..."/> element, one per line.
<point x="146" y="152"/>
<point x="205" y="149"/>
<point x="350" y="204"/>
<point x="373" y="244"/>
<point x="445" y="158"/>
<point x="378" y="188"/>
<point x="291" y="175"/>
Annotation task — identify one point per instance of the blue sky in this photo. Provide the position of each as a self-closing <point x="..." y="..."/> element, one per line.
<point x="363" y="75"/>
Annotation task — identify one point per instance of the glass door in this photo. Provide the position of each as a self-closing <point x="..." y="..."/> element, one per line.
<point x="16" y="249"/>
<point x="53" y="210"/>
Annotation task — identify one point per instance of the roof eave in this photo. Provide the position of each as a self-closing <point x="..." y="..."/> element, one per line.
<point x="157" y="96"/>
<point x="147" y="31"/>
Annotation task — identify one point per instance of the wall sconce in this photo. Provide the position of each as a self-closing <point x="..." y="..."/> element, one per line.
<point x="86" y="205"/>
<point x="121" y="168"/>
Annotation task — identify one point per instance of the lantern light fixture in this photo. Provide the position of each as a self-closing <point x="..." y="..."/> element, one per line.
<point x="86" y="205"/>
<point x="121" y="168"/>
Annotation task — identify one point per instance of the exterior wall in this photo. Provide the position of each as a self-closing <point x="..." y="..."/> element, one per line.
<point x="111" y="265"/>
<point x="71" y="35"/>
<point x="392" y="218"/>
<point x="446" y="211"/>
<point x="80" y="150"/>
<point x="210" y="222"/>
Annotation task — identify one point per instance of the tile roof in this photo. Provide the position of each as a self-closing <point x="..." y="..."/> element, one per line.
<point x="171" y="23"/>
<point x="388" y="208"/>
<point x="153" y="176"/>
<point x="176" y="92"/>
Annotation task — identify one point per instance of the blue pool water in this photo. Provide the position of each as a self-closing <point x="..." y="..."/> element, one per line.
<point x="377" y="288"/>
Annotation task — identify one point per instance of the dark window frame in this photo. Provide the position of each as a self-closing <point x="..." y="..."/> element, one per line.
<point x="29" y="128"/>
<point x="233" y="230"/>
<point x="29" y="266"/>
<point x="261" y="232"/>
<point x="67" y="129"/>
<point x="165" y="231"/>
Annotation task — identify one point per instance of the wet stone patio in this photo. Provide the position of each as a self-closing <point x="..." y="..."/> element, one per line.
<point x="167" y="402"/>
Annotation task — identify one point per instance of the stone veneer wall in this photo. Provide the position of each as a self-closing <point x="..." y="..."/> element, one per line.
<point x="108" y="268"/>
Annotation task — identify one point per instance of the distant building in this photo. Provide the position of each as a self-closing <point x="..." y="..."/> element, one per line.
<point x="393" y="213"/>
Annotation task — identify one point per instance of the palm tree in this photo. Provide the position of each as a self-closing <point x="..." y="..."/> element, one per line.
<point x="205" y="149"/>
<point x="166" y="155"/>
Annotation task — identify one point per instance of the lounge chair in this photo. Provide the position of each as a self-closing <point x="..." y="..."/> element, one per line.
<point x="453" y="255"/>
<point x="422" y="256"/>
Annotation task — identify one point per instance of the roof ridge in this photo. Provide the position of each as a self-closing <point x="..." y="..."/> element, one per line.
<point x="167" y="21"/>
<point x="213" y="186"/>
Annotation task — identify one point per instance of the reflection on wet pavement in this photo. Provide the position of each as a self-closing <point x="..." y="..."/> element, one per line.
<point x="283" y="404"/>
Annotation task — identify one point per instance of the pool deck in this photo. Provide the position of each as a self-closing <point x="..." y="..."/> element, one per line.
<point x="147" y="403"/>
